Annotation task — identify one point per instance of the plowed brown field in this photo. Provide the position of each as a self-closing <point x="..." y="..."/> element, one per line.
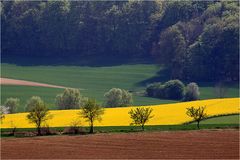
<point x="211" y="144"/>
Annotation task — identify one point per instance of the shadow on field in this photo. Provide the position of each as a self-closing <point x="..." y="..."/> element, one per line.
<point x="161" y="76"/>
<point x="90" y="61"/>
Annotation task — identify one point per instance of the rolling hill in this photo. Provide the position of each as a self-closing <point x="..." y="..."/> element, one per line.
<point x="93" y="82"/>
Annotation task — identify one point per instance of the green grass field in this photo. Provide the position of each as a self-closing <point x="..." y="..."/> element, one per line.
<point x="93" y="82"/>
<point x="126" y="129"/>
<point x="24" y="93"/>
<point x="227" y="119"/>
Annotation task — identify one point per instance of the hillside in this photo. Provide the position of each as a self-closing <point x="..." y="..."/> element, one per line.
<point x="194" y="40"/>
<point x="133" y="79"/>
<point x="92" y="82"/>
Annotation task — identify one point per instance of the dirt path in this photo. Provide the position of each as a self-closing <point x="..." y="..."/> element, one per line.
<point x="7" y="81"/>
<point x="212" y="144"/>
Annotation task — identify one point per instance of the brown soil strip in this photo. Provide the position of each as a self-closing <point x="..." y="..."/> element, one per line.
<point x="209" y="144"/>
<point x="7" y="81"/>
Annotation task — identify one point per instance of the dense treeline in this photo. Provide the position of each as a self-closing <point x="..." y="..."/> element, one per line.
<point x="194" y="40"/>
<point x="204" y="47"/>
<point x="77" y="27"/>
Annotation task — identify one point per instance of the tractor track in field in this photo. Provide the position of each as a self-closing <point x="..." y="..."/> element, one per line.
<point x="203" y="144"/>
<point x="8" y="81"/>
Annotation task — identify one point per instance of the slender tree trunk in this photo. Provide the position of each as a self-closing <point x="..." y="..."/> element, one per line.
<point x="91" y="128"/>
<point x="143" y="127"/>
<point x="39" y="131"/>
<point x="198" y="124"/>
<point x="14" y="130"/>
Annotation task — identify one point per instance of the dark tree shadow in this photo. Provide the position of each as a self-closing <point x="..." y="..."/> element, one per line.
<point x="162" y="76"/>
<point x="91" y="61"/>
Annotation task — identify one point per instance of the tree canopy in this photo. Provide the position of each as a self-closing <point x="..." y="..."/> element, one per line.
<point x="196" y="40"/>
<point x="92" y="112"/>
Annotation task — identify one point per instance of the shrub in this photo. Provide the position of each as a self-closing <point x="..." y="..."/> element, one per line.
<point x="117" y="97"/>
<point x="12" y="104"/>
<point x="160" y="92"/>
<point x="24" y="134"/>
<point x="154" y="90"/>
<point x="75" y="128"/>
<point x="151" y="89"/>
<point x="174" y="89"/>
<point x="48" y="131"/>
<point x="33" y="102"/>
<point x="69" y="99"/>
<point x="3" y="110"/>
<point x="192" y="92"/>
<point x="220" y="90"/>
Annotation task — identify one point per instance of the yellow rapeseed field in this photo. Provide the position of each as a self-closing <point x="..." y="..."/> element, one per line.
<point x="166" y="114"/>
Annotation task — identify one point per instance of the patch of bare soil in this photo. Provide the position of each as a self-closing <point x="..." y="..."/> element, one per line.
<point x="209" y="144"/>
<point x="7" y="81"/>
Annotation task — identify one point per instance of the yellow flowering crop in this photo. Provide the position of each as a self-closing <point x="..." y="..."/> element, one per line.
<point x="165" y="114"/>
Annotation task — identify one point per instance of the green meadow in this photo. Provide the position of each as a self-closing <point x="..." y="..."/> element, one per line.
<point x="92" y="82"/>
<point x="226" y="119"/>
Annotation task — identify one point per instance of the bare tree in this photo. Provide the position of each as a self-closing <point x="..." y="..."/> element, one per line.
<point x="197" y="114"/>
<point x="221" y="90"/>
<point x="140" y="116"/>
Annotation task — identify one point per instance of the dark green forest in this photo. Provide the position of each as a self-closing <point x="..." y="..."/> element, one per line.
<point x="193" y="40"/>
